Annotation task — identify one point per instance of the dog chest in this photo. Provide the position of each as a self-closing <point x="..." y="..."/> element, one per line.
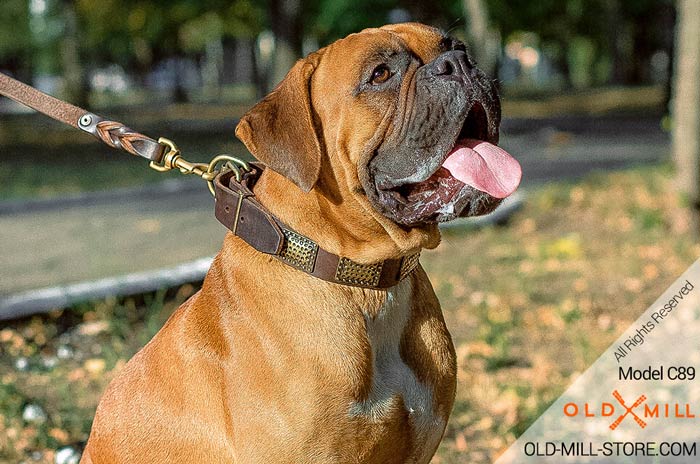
<point x="394" y="383"/>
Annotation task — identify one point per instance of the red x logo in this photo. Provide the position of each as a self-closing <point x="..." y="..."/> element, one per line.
<point x="628" y="410"/>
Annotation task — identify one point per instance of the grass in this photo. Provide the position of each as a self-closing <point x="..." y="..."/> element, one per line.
<point x="529" y="305"/>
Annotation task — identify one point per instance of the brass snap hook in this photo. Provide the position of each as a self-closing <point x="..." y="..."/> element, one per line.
<point x="207" y="171"/>
<point x="167" y="163"/>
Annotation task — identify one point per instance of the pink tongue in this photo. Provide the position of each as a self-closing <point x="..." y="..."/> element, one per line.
<point x="485" y="167"/>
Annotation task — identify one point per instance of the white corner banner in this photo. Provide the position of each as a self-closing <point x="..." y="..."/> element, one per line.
<point x="639" y="402"/>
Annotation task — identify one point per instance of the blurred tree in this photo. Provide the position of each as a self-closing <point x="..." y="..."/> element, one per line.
<point x="46" y="27"/>
<point x="333" y="19"/>
<point x="611" y="40"/>
<point x="15" y="38"/>
<point x="244" y="20"/>
<point x="557" y="23"/>
<point x="483" y="40"/>
<point x="425" y="12"/>
<point x="149" y="31"/>
<point x="686" y="103"/>
<point x="636" y="30"/>
<point x="286" y="20"/>
<point x="76" y="90"/>
<point x="591" y="41"/>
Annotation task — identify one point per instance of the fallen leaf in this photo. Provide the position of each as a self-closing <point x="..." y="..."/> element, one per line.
<point x="461" y="442"/>
<point x="95" y="366"/>
<point x="93" y="328"/>
<point x="59" y="435"/>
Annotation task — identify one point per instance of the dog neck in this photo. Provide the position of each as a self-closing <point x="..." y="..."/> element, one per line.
<point x="317" y="213"/>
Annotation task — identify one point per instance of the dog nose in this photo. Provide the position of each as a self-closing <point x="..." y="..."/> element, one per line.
<point x="452" y="63"/>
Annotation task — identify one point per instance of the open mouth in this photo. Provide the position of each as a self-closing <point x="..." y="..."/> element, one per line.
<point x="472" y="179"/>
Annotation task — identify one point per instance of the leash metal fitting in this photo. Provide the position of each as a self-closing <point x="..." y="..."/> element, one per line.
<point x="166" y="163"/>
<point x="238" y="166"/>
<point x="172" y="159"/>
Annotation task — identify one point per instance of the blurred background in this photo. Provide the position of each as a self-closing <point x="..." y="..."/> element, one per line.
<point x="601" y="105"/>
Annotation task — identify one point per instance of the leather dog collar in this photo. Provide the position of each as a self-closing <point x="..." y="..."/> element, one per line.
<point x="241" y="213"/>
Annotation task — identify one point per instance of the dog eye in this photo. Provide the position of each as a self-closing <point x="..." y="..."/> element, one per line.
<point x="380" y="75"/>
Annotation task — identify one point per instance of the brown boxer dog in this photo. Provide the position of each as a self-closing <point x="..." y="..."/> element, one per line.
<point x="370" y="142"/>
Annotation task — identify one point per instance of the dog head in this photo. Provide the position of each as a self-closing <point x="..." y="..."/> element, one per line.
<point x="396" y="122"/>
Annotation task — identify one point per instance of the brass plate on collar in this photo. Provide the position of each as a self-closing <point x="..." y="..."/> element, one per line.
<point x="408" y="264"/>
<point x="350" y="272"/>
<point x="298" y="251"/>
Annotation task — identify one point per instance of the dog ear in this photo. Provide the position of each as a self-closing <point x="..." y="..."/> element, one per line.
<point x="280" y="130"/>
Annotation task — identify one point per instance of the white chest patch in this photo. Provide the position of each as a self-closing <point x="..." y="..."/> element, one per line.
<point x="392" y="378"/>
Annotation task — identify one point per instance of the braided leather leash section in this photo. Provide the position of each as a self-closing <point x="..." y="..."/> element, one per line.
<point x="117" y="135"/>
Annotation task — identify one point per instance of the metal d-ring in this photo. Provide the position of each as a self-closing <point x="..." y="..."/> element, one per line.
<point x="234" y="164"/>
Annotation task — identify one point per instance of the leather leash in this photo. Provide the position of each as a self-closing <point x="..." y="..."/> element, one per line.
<point x="231" y="181"/>
<point x="113" y="133"/>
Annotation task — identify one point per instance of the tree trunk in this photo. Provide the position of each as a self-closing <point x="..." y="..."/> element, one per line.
<point x="686" y="107"/>
<point x="613" y="22"/>
<point x="285" y="16"/>
<point x="180" y="94"/>
<point x="212" y="69"/>
<point x="422" y="11"/>
<point x="73" y="73"/>
<point x="259" y="72"/>
<point x="481" y="38"/>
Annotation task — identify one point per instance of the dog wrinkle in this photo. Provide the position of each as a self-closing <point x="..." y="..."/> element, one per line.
<point x="408" y="100"/>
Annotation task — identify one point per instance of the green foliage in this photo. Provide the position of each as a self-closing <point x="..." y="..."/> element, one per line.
<point x="243" y="18"/>
<point x="332" y="19"/>
<point x="590" y="40"/>
<point x="329" y="20"/>
<point x="14" y="28"/>
<point x="147" y="30"/>
<point x="649" y="219"/>
<point x="551" y="19"/>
